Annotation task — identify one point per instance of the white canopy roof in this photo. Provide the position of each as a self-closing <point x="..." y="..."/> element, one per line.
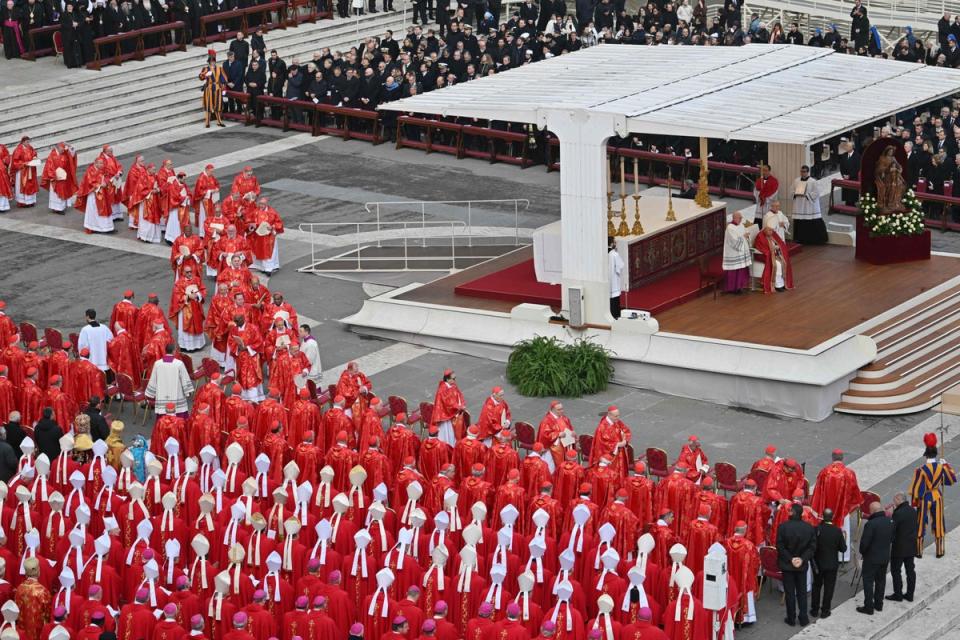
<point x="773" y="93"/>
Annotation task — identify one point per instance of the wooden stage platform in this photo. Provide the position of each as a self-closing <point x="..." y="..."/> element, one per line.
<point x="834" y="293"/>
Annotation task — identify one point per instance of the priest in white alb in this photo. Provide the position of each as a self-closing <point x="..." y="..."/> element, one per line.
<point x="778" y="220"/>
<point x="737" y="255"/>
<point x="808" y="225"/>
<point x="95" y="336"/>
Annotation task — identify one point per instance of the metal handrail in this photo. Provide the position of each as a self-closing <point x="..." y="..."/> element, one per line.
<point x="519" y="204"/>
<point x="454" y="229"/>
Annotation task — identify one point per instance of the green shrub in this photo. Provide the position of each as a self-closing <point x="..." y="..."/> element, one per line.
<point x="542" y="366"/>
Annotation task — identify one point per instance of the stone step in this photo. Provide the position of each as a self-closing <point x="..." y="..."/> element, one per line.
<point x="155" y="66"/>
<point x="147" y="89"/>
<point x="933" y="621"/>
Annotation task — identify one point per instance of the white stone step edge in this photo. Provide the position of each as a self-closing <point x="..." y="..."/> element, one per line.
<point x="916" y="357"/>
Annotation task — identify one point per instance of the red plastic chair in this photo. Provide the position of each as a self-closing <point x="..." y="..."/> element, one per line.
<point x="760" y="477"/>
<point x="526" y="436"/>
<point x="769" y="569"/>
<point x="657" y="463"/>
<point x="586" y="446"/>
<point x="128" y="393"/>
<point x="28" y="333"/>
<point x="426" y="416"/>
<point x="52" y="337"/>
<point x="726" y="477"/>
<point x="57" y="44"/>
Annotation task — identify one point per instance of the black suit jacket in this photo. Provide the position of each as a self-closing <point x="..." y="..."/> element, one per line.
<point x="830" y="544"/>
<point x="904" y="532"/>
<point x="15" y="436"/>
<point x="795" y="539"/>
<point x="47" y="434"/>
<point x="98" y="425"/>
<point x="876" y="539"/>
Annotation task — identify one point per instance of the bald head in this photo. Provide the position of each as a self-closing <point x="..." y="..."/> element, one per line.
<point x="875" y="507"/>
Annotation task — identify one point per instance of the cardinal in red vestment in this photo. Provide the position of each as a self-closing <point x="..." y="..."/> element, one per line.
<point x="448" y="406"/>
<point x="611" y="439"/>
<point x="59" y="176"/>
<point x="700" y="536"/>
<point x="678" y="494"/>
<point x="206" y="193"/>
<point x="777" y="267"/>
<point x="495" y="414"/>
<point x="245" y="183"/>
<point x="836" y="488"/>
<point x="693" y="458"/>
<point x="23" y="166"/>
<point x="743" y="563"/>
<point x="750" y="508"/>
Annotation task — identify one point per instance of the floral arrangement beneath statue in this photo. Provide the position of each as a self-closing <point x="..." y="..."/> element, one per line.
<point x="908" y="222"/>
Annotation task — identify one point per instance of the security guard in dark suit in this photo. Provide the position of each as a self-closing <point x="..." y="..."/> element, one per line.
<point x="904" y="548"/>
<point x="826" y="563"/>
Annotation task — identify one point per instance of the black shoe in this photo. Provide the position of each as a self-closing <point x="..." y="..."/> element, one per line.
<point x="893" y="597"/>
<point x="908" y="598"/>
<point x="790" y="622"/>
<point x="879" y="607"/>
<point x="804" y="622"/>
<point x="825" y="614"/>
<point x="815" y="613"/>
<point x="865" y="610"/>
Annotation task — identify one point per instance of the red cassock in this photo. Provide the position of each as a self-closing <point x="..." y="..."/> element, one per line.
<point x="191" y="308"/>
<point x="743" y="564"/>
<point x="750" y="508"/>
<point x="212" y="395"/>
<point x="155" y="349"/>
<point x="549" y="430"/>
<point x="473" y="490"/>
<point x="577" y="632"/>
<point x="688" y="460"/>
<point x="64" y="407"/>
<point x="123" y="356"/>
<point x="447" y="404"/>
<point x="124" y="312"/>
<point x="235" y="408"/>
<point x="605" y="483"/>
<point x="606" y="441"/>
<point x="146" y="189"/>
<point x="378" y="468"/>
<point x="167" y="426"/>
<point x="136" y="621"/>
<point x="770" y="246"/>
<point x="194" y="257"/>
<point x="697" y="629"/>
<point x="203" y="431"/>
<point x="398" y="443"/>
<point x="342" y="459"/>
<point x="701" y="534"/>
<point x="533" y="473"/>
<point x="466" y="603"/>
<point x="509" y="493"/>
<point x="718" y="509"/>
<point x="627" y="525"/>
<point x="31" y="402"/>
<point x="57" y="160"/>
<point x="836" y="489"/>
<point x="568" y="479"/>
<point x="149" y="315"/>
<point x="263" y="245"/>
<point x="305" y="416"/>
<point x="370" y="424"/>
<point x="766" y="188"/>
<point x="137" y="169"/>
<point x="249" y="373"/>
<point x="168" y="630"/>
<point x="663" y="538"/>
<point x="261" y="622"/>
<point x="377" y="624"/>
<point x="494" y="415"/>
<point x="501" y="458"/>
<point x="434" y="453"/>
<point x="12" y="357"/>
<point x="95" y="183"/>
<point x="268" y="412"/>
<point x="781" y="483"/>
<point x="203" y="192"/>
<point x="8" y="400"/>
<point x="349" y="386"/>
<point x="679" y="495"/>
<point x="6" y="186"/>
<point x="244" y="184"/>
<point x="335" y="421"/>
<point x="228" y="246"/>
<point x="641" y="490"/>
<point x="308" y="458"/>
<point x="22" y="155"/>
<point x="466" y="453"/>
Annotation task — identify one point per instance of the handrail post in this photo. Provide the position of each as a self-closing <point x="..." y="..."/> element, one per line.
<point x="453" y="245"/>
<point x="406" y="264"/>
<point x="359" y="267"/>
<point x="469" y="223"/>
<point x="423" y="223"/>
<point x="378" y="225"/>
<point x="516" y="222"/>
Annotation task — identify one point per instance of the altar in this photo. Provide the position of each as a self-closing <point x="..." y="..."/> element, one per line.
<point x="663" y="248"/>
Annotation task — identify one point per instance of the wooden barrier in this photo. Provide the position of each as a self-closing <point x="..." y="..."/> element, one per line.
<point x="243" y="15"/>
<point x="33" y="35"/>
<point x="431" y="130"/>
<point x="493" y="152"/>
<point x="943" y="223"/>
<point x="115" y="42"/>
<point x="246" y="116"/>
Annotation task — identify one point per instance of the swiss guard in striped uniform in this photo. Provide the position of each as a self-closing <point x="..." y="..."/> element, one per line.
<point x="926" y="492"/>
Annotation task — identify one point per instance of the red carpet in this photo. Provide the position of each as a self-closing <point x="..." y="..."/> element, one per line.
<point x="519" y="283"/>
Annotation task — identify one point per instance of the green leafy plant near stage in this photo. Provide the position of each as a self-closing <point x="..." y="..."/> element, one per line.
<point x="904" y="223"/>
<point x="542" y="366"/>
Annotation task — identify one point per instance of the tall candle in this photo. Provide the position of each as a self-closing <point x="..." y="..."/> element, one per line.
<point x="636" y="176"/>
<point x="623" y="178"/>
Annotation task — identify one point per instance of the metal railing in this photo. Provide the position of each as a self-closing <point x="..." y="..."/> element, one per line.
<point x="451" y="208"/>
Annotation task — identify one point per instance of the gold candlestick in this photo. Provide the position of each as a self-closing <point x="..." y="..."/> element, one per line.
<point x="611" y="230"/>
<point x="637" y="227"/>
<point x="671" y="214"/>
<point x="623" y="229"/>
<point x="703" y="189"/>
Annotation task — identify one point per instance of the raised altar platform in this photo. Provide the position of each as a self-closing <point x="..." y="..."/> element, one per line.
<point x="664" y="247"/>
